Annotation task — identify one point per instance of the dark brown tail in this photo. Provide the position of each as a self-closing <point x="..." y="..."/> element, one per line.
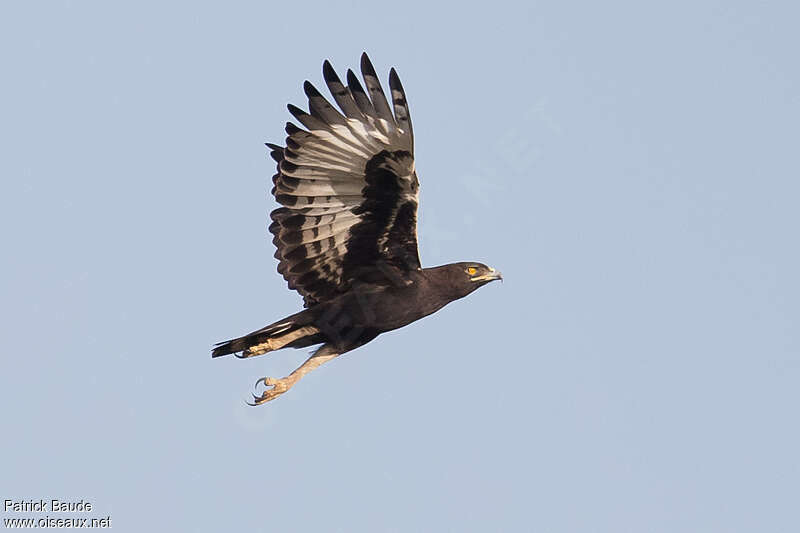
<point x="295" y="331"/>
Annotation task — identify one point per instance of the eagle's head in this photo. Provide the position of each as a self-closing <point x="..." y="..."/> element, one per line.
<point x="459" y="279"/>
<point x="480" y="273"/>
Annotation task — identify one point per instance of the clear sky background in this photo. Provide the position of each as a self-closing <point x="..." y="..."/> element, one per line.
<point x="631" y="167"/>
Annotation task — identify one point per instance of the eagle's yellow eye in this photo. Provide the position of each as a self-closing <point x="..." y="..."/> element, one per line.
<point x="471" y="271"/>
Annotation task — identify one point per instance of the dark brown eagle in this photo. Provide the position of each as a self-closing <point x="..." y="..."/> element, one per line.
<point x="346" y="234"/>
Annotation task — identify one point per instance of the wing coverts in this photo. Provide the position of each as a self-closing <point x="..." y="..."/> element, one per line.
<point x="347" y="185"/>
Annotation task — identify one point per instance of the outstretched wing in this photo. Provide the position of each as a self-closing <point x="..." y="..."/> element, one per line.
<point x="347" y="186"/>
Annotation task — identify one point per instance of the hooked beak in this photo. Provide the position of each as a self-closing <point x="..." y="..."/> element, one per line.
<point x="490" y="276"/>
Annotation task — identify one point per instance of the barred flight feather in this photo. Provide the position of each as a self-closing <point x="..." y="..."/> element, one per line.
<point x="346" y="184"/>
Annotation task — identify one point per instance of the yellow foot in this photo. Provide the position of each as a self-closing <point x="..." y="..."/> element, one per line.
<point x="275" y="387"/>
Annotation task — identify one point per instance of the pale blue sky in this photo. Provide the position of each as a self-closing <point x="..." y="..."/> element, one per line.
<point x="631" y="167"/>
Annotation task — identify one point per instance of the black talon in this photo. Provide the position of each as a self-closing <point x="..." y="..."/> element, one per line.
<point x="257" y="399"/>
<point x="261" y="380"/>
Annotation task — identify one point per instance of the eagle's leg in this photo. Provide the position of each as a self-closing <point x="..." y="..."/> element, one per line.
<point x="276" y="343"/>
<point x="276" y="387"/>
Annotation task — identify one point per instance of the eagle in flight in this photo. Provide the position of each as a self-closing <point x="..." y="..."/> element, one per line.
<point x="346" y="234"/>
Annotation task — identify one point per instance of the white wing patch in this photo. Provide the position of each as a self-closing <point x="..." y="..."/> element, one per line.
<point x="321" y="177"/>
